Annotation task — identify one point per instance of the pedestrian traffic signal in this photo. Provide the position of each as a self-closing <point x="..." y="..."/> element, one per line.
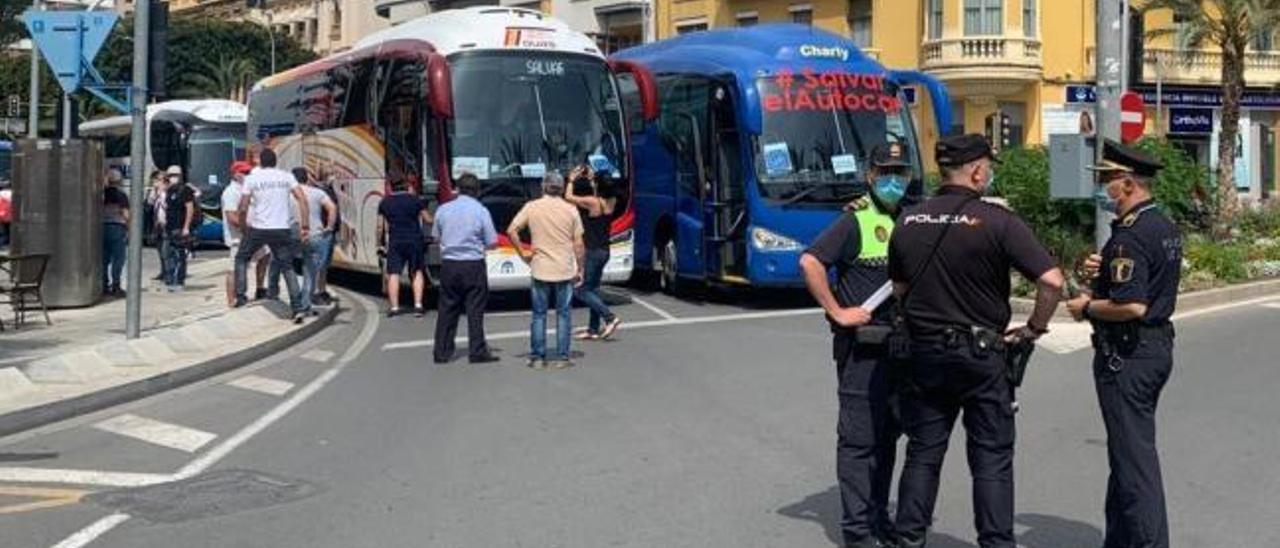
<point x="157" y="48"/>
<point x="999" y="130"/>
<point x="13" y="106"/>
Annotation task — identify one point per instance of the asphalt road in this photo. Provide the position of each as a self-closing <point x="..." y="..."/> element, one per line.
<point x="704" y="424"/>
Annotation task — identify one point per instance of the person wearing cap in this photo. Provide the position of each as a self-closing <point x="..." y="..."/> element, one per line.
<point x="233" y="228"/>
<point x="179" y="213"/>
<point x="950" y="260"/>
<point x="265" y="201"/>
<point x="856" y="246"/>
<point x="1135" y="291"/>
<point x="556" y="258"/>
<point x="115" y="233"/>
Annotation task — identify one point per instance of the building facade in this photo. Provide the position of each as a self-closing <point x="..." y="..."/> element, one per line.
<point x="1033" y="61"/>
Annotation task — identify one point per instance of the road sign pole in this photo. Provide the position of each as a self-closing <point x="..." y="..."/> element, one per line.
<point x="137" y="167"/>
<point x="1110" y="70"/>
<point x="33" y="112"/>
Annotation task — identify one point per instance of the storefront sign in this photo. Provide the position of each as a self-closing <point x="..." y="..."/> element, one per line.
<point x="1191" y="121"/>
<point x="1180" y="96"/>
<point x="825" y="91"/>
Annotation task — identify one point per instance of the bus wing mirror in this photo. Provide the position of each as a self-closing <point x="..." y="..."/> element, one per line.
<point x="937" y="95"/>
<point x="440" y="86"/>
<point x="645" y="83"/>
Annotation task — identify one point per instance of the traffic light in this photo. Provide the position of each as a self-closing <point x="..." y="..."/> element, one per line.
<point x="13" y="107"/>
<point x="999" y="130"/>
<point x="157" y="48"/>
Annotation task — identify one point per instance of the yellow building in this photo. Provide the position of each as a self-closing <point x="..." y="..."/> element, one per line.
<point x="1021" y="57"/>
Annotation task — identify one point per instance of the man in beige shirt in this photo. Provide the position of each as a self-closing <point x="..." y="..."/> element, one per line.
<point x="555" y="259"/>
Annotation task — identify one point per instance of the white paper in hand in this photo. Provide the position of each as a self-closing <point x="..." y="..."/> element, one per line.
<point x="878" y="298"/>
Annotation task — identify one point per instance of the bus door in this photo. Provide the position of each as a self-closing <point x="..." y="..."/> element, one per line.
<point x="724" y="201"/>
<point x="686" y="134"/>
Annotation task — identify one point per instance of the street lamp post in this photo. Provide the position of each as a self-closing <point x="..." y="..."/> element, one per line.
<point x="33" y="111"/>
<point x="271" y="36"/>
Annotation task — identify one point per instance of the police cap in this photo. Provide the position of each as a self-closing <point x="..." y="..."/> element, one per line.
<point x="959" y="150"/>
<point x="889" y="155"/>
<point x="1119" y="158"/>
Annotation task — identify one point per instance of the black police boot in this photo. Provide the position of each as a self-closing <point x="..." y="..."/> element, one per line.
<point x="904" y="542"/>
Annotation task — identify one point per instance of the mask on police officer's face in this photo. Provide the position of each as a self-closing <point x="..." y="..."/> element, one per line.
<point x="890" y="188"/>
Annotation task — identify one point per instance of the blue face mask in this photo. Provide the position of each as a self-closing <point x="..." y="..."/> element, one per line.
<point x="1105" y="201"/>
<point x="890" y="188"/>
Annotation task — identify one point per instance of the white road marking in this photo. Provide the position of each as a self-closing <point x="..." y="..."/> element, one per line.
<point x="321" y="356"/>
<point x="262" y="385"/>
<point x="514" y="314"/>
<point x="628" y="326"/>
<point x="21" y="474"/>
<point x="660" y="312"/>
<point x="157" y="432"/>
<point x="90" y="533"/>
<point x="1221" y="307"/>
<point x="1065" y="338"/>
<point x="1272" y="305"/>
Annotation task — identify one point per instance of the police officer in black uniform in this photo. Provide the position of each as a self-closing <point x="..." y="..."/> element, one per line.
<point x="1134" y="293"/>
<point x="950" y="260"/>
<point x="856" y="246"/>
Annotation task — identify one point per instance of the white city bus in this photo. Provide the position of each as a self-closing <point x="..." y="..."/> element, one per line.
<point x="202" y="136"/>
<point x="506" y="94"/>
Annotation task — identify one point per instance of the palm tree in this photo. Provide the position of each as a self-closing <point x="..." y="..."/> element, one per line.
<point x="226" y="78"/>
<point x="1229" y="25"/>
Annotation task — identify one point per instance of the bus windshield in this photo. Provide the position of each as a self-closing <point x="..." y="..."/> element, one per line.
<point x="818" y="130"/>
<point x="211" y="151"/>
<point x="522" y="114"/>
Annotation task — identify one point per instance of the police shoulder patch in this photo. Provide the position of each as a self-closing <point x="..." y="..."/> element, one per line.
<point x="1121" y="270"/>
<point x="858" y="204"/>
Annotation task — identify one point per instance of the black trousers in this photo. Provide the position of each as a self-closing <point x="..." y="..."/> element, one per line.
<point x="867" y="438"/>
<point x="1129" y="388"/>
<point x="941" y="382"/>
<point x="464" y="286"/>
<point x="285" y="247"/>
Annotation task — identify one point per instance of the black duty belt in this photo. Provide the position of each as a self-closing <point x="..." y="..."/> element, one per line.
<point x="979" y="338"/>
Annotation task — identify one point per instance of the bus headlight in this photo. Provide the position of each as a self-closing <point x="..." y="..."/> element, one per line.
<point x="765" y="240"/>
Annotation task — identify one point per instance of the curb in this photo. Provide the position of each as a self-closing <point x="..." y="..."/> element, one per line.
<point x="1187" y="302"/>
<point x="40" y="415"/>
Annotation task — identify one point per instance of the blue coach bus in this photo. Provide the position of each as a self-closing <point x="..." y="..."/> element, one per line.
<point x="760" y="140"/>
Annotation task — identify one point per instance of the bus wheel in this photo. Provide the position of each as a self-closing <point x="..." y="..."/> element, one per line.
<point x="669" y="279"/>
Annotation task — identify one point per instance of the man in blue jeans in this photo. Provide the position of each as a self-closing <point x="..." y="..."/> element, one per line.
<point x="555" y="260"/>
<point x="315" y="249"/>
<point x="115" y="222"/>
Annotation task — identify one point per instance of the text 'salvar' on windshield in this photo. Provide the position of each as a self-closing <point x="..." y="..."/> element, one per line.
<point x="818" y="129"/>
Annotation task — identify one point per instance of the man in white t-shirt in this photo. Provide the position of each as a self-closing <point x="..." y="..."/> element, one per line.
<point x="264" y="204"/>
<point x="233" y="229"/>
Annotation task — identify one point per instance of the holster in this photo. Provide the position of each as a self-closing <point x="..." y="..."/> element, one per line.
<point x="873" y="335"/>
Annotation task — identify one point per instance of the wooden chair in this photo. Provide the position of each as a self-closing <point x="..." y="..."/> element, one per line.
<point x="21" y="285"/>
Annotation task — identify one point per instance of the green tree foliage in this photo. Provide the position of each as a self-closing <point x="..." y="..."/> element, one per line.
<point x="1182" y="189"/>
<point x="1229" y="25"/>
<point x="234" y="48"/>
<point x="1064" y="226"/>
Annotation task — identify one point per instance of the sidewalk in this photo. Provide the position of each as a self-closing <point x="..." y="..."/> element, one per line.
<point x="83" y="362"/>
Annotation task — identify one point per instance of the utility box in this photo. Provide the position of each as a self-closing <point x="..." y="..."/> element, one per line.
<point x="1069" y="159"/>
<point x="57" y="209"/>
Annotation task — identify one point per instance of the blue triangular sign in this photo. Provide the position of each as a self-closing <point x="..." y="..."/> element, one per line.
<point x="68" y="38"/>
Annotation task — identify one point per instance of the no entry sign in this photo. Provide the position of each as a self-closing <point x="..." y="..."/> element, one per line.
<point x="1133" y="117"/>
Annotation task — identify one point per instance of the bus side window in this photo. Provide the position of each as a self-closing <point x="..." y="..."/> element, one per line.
<point x="631" y="106"/>
<point x="684" y="125"/>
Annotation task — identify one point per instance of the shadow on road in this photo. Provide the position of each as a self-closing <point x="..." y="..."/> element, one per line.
<point x="1043" y="531"/>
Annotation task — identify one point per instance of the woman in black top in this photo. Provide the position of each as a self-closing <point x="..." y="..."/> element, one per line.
<point x="595" y="203"/>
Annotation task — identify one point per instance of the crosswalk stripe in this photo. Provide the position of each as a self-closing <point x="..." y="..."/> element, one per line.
<point x="263" y="385"/>
<point x="321" y="356"/>
<point x="157" y="432"/>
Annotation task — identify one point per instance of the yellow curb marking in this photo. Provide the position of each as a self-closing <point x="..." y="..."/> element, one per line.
<point x="49" y="498"/>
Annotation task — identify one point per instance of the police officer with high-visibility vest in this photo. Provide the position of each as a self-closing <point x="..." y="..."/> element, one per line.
<point x="856" y="246"/>
<point x="950" y="261"/>
<point x="1134" y="293"/>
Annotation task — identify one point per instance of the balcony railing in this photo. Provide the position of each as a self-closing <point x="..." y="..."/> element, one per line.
<point x="992" y="56"/>
<point x="1176" y="66"/>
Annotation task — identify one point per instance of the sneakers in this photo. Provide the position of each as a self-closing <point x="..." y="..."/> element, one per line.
<point x="560" y="364"/>
<point x="536" y="364"/>
<point x="393" y="312"/>
<point x="419" y="311"/>
<point x="298" y="317"/>
<point x="586" y="336"/>
<point x="239" y="303"/>
<point x="260" y="294"/>
<point x="610" y="328"/>
<point x="487" y="358"/>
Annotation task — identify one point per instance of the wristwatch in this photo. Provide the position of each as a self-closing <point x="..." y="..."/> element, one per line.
<point x="1084" y="312"/>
